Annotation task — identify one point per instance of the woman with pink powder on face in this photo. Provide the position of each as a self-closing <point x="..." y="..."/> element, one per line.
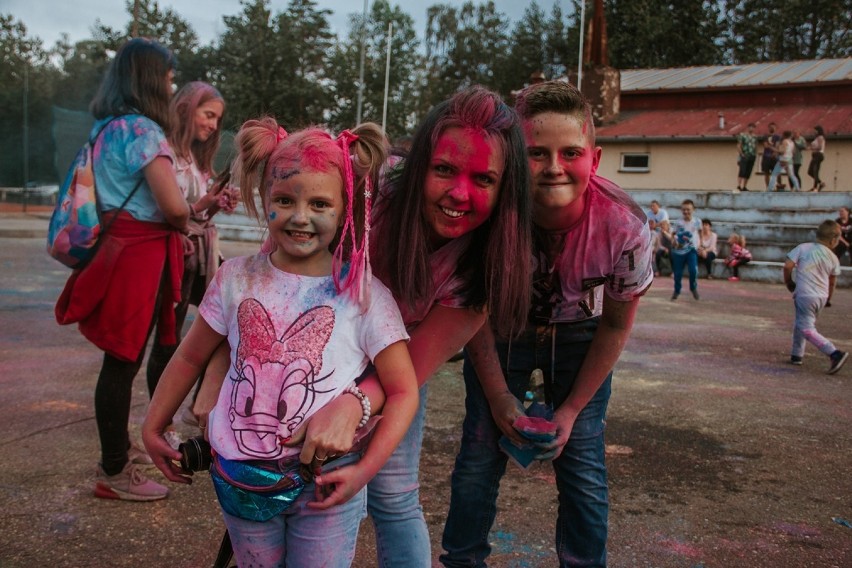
<point x="452" y="240"/>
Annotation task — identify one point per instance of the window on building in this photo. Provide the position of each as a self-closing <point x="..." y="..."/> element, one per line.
<point x="635" y="162"/>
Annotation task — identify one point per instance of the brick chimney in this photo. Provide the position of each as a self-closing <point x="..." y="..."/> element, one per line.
<point x="601" y="83"/>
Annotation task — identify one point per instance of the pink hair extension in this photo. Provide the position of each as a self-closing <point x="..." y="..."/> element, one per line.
<point x="359" y="276"/>
<point x="280" y="135"/>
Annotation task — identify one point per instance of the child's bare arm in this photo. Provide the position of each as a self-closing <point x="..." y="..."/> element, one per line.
<point x="176" y="382"/>
<point x="214" y="376"/>
<point x="789" y="265"/>
<point x="398" y="379"/>
<point x="610" y="337"/>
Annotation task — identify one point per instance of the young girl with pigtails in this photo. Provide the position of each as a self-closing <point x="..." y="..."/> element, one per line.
<point x="303" y="319"/>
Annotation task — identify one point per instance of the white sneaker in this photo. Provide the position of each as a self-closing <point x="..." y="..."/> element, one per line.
<point x="173" y="438"/>
<point x="128" y="485"/>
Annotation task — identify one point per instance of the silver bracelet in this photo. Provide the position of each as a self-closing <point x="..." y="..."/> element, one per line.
<point x="365" y="403"/>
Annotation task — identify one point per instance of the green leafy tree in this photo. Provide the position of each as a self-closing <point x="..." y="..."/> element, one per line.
<point x="306" y="42"/>
<point x="167" y="27"/>
<point x="402" y="86"/>
<point x="561" y="40"/>
<point x="761" y="30"/>
<point x="251" y="67"/>
<point x="25" y="75"/>
<point x="659" y="33"/>
<point x="459" y="53"/>
<point x="527" y="48"/>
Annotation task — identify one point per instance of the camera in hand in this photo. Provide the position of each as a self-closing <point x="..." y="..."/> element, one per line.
<point x="195" y="454"/>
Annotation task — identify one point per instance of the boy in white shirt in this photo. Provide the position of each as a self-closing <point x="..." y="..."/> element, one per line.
<point x="817" y="269"/>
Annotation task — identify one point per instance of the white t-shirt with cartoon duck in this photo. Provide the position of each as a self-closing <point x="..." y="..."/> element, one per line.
<point x="296" y="344"/>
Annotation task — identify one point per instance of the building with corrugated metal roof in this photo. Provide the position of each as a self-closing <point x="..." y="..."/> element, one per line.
<point x="676" y="128"/>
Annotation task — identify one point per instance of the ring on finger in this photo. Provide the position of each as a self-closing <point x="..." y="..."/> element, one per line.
<point x="320" y="459"/>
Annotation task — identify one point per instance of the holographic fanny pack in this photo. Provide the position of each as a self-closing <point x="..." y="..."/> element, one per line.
<point x="257" y="493"/>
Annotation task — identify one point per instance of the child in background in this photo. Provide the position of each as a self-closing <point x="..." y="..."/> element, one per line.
<point x="738" y="256"/>
<point x="593" y="264"/>
<point x="817" y="269"/>
<point x="302" y="323"/>
<point x="685" y="248"/>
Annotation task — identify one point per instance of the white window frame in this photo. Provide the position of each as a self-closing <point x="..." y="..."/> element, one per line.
<point x="634" y="169"/>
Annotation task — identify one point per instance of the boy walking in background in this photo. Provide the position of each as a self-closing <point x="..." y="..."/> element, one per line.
<point x="817" y="269"/>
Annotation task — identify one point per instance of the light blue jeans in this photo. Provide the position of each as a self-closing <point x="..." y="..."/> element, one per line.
<point x="807" y="310"/>
<point x="776" y="171"/>
<point x="393" y="502"/>
<point x="300" y="537"/>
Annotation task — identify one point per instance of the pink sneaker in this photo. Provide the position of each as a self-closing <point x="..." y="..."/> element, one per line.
<point x="733" y="279"/>
<point x="128" y="485"/>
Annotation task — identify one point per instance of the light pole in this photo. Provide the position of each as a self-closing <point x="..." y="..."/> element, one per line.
<point x="26" y="133"/>
<point x="361" y="72"/>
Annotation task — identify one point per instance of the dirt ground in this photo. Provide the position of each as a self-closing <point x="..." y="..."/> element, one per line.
<point x="724" y="455"/>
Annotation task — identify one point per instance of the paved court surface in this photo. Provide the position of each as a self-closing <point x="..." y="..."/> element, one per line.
<point x="723" y="455"/>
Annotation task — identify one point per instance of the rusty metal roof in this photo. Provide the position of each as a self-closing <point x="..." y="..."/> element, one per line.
<point x="727" y="76"/>
<point x="704" y="123"/>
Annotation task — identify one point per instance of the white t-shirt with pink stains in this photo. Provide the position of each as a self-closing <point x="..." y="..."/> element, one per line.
<point x="608" y="250"/>
<point x="296" y="344"/>
<point x="815" y="264"/>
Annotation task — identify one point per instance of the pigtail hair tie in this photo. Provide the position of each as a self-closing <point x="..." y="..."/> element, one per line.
<point x="358" y="278"/>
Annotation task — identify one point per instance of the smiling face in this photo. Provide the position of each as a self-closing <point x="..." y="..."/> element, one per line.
<point x="304" y="211"/>
<point x="206" y="119"/>
<point x="562" y="161"/>
<point x="462" y="184"/>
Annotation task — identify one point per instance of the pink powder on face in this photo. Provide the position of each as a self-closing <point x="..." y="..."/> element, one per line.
<point x="464" y="177"/>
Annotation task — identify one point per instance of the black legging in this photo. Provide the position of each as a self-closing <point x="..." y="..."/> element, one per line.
<point x="707" y="261"/>
<point x="813" y="167"/>
<point x="113" y="395"/>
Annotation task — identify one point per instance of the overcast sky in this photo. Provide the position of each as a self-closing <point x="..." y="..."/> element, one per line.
<point x="47" y="19"/>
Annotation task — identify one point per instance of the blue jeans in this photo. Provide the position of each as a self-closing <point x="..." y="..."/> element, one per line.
<point x="690" y="259"/>
<point x="807" y="310"/>
<point x="581" y="479"/>
<point x="393" y="502"/>
<point x="300" y="537"/>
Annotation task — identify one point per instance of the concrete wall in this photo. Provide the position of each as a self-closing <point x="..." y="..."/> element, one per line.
<point x="711" y="165"/>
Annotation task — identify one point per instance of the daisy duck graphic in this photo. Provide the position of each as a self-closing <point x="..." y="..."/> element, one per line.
<point x="277" y="378"/>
